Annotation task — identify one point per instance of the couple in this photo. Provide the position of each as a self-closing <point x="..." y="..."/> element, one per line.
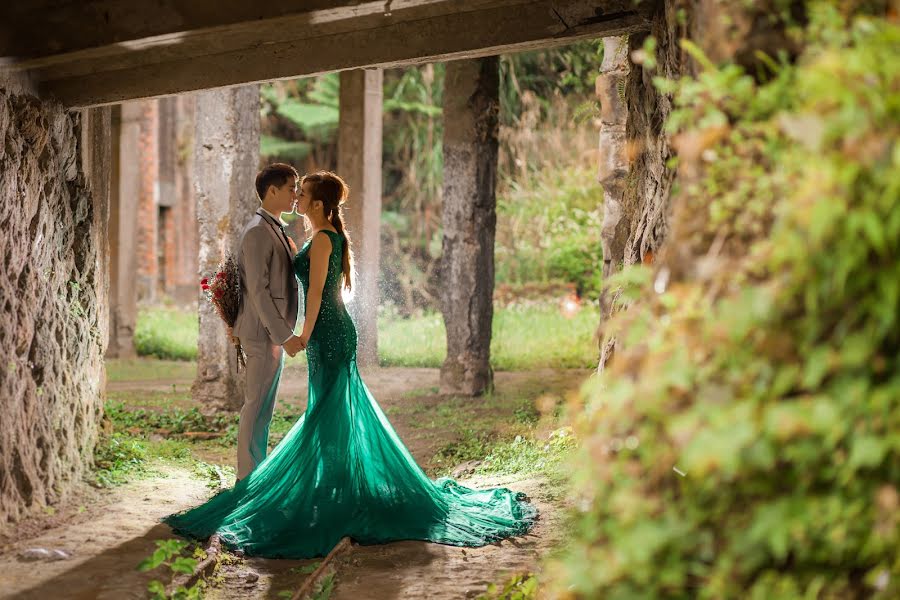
<point x="341" y="470"/>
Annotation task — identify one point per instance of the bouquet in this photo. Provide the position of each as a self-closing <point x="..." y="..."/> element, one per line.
<point x="224" y="292"/>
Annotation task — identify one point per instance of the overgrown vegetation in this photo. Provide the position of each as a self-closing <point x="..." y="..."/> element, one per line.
<point x="745" y="440"/>
<point x="522" y="586"/>
<point x="548" y="200"/>
<point x="177" y="557"/>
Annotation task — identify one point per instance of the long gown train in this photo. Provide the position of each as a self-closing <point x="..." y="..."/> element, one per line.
<point x="342" y="471"/>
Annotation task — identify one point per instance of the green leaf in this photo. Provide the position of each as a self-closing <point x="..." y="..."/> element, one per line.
<point x="158" y="557"/>
<point x="868" y="451"/>
<point x="184" y="565"/>
<point x="156" y="589"/>
<point x="277" y="147"/>
<point x="309" y="117"/>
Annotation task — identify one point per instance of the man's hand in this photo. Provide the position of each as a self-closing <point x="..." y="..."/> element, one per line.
<point x="294" y="345"/>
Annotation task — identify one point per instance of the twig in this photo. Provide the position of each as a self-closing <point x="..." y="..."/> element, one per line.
<point x="202" y="568"/>
<point x="342" y="546"/>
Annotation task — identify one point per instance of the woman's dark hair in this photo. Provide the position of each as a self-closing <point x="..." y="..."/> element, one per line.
<point x="330" y="189"/>
<point x="276" y="174"/>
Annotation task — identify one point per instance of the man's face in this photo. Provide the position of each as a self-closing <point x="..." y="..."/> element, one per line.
<point x="285" y="197"/>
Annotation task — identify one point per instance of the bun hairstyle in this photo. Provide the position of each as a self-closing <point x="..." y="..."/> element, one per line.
<point x="332" y="192"/>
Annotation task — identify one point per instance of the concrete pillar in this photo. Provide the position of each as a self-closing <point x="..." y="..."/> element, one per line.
<point x="226" y="156"/>
<point x="471" y="122"/>
<point x="359" y="163"/>
<point x="166" y="225"/>
<point x="185" y="210"/>
<point x="125" y="182"/>
<point x="148" y="194"/>
<point x="612" y="172"/>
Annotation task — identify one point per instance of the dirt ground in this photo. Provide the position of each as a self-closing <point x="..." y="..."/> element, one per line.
<point x="106" y="533"/>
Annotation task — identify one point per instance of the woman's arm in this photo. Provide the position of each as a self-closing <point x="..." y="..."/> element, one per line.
<point x="319" y="253"/>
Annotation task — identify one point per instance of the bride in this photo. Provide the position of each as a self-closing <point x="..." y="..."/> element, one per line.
<point x="341" y="470"/>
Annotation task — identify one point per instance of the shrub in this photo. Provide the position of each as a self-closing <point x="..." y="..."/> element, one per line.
<point x="759" y="384"/>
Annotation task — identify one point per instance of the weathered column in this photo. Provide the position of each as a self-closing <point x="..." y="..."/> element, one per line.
<point x="471" y="121"/>
<point x="166" y="226"/>
<point x="125" y="181"/>
<point x="148" y="197"/>
<point x="185" y="212"/>
<point x="613" y="171"/>
<point x="226" y="155"/>
<point x="359" y="163"/>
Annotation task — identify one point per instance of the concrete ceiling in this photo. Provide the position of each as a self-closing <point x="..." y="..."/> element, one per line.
<point x="92" y="52"/>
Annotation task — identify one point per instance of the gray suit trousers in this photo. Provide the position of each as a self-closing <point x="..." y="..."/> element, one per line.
<point x="264" y="364"/>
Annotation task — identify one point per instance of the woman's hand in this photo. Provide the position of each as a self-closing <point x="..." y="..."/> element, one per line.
<point x="292" y="245"/>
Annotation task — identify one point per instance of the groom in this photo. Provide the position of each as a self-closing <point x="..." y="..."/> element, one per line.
<point x="268" y="313"/>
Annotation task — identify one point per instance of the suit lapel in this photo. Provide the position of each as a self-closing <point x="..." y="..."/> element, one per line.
<point x="275" y="230"/>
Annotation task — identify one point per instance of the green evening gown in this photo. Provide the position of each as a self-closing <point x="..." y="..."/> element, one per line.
<point x="342" y="471"/>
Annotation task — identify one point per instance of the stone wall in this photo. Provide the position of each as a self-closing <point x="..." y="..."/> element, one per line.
<point x="53" y="324"/>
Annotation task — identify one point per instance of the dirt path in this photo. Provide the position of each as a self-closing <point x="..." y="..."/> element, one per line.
<point x="105" y="543"/>
<point x="117" y="528"/>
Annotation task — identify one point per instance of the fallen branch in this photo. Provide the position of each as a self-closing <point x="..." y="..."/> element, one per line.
<point x="204" y="567"/>
<point x="202" y="435"/>
<point x="342" y="546"/>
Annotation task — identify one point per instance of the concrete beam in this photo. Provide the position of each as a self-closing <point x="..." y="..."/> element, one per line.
<point x="44" y="28"/>
<point x="359" y="163"/>
<point x="350" y="36"/>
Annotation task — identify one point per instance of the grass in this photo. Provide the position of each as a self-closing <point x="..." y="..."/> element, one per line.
<point x="149" y="370"/>
<point x="523" y="338"/>
<point x="167" y="332"/>
<point x="120" y="457"/>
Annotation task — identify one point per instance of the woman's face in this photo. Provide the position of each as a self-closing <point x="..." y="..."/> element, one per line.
<point x="305" y="201"/>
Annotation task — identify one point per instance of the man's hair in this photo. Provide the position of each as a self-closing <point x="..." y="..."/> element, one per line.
<point x="276" y="174"/>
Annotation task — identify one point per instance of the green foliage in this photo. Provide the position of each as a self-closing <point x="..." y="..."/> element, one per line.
<point x="178" y="557"/>
<point x="166" y="332"/>
<point x="545" y="98"/>
<point x="175" y="420"/>
<point x="121" y="457"/>
<point x="570" y="70"/>
<point x="549" y="229"/>
<point x="284" y="149"/>
<point x="526" y="455"/>
<point x="117" y="458"/>
<point x="522" y="586"/>
<point x="745" y="440"/>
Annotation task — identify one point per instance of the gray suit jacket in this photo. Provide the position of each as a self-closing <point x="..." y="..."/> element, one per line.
<point x="268" y="286"/>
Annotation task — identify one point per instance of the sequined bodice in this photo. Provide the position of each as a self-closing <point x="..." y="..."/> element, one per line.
<point x="333" y="340"/>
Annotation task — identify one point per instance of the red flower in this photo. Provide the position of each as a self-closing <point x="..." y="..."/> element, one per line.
<point x="220" y="275"/>
<point x="219" y="293"/>
<point x="204" y="281"/>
